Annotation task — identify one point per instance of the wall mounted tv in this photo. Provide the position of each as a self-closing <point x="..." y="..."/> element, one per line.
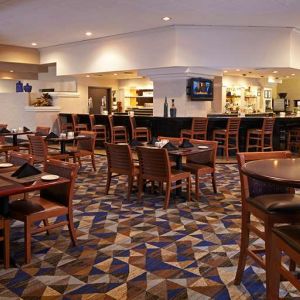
<point x="201" y="89"/>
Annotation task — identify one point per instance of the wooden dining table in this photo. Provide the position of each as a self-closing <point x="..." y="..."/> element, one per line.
<point x="15" y="135"/>
<point x="284" y="171"/>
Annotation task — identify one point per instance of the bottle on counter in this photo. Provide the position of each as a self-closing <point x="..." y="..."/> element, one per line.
<point x="166" y="108"/>
<point x="173" y="109"/>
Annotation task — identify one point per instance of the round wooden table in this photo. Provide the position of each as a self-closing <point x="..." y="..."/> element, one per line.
<point x="284" y="171"/>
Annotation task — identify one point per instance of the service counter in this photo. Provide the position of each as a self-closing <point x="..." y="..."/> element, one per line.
<point x="172" y="126"/>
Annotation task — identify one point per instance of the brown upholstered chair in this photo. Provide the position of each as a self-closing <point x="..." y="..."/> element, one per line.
<point x="270" y="203"/>
<point x="39" y="150"/>
<point x="76" y="125"/>
<point x="285" y="239"/>
<point x="118" y="134"/>
<point x="262" y="138"/>
<point x="202" y="163"/>
<point x="228" y="138"/>
<point x="63" y="125"/>
<point x="198" y="130"/>
<point x="99" y="129"/>
<point x="4" y="237"/>
<point x="52" y="202"/>
<point x="155" y="166"/>
<point x="85" y="147"/>
<point x="120" y="162"/>
<point x="138" y="133"/>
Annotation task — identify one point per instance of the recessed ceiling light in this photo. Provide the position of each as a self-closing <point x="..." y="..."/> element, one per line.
<point x="11" y="71"/>
<point x="293" y="74"/>
<point x="262" y="76"/>
<point x="88" y="33"/>
<point x="237" y="70"/>
<point x="275" y="72"/>
<point x="287" y="76"/>
<point x="34" y="44"/>
<point x="87" y="76"/>
<point x="166" y="19"/>
<point x="225" y="71"/>
<point x="115" y="74"/>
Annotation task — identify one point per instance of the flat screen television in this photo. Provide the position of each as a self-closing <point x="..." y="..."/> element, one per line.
<point x="201" y="89"/>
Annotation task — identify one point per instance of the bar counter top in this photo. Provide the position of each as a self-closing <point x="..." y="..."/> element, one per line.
<point x="161" y="126"/>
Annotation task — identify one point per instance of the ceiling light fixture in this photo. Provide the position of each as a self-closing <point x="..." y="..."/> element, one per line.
<point x="293" y="74"/>
<point x="275" y="72"/>
<point x="287" y="76"/>
<point x="225" y="71"/>
<point x="11" y="71"/>
<point x="166" y="19"/>
<point x="88" y="33"/>
<point x="88" y="76"/>
<point x="34" y="44"/>
<point x="115" y="74"/>
<point x="237" y="70"/>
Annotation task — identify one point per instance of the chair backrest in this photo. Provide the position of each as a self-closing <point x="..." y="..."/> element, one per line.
<point x="252" y="187"/>
<point x="154" y="163"/>
<point x="175" y="140"/>
<point x="207" y="157"/>
<point x="111" y="122"/>
<point x="63" y="193"/>
<point x="42" y="130"/>
<point x="38" y="148"/>
<point x="268" y="125"/>
<point x="2" y="138"/>
<point x="132" y="123"/>
<point x="199" y="124"/>
<point x="20" y="159"/>
<point x="233" y="124"/>
<point x="119" y="158"/>
<point x="63" y="122"/>
<point x="87" y="144"/>
<point x="92" y="120"/>
<point x="3" y="126"/>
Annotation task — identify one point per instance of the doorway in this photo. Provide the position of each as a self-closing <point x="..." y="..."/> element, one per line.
<point x="101" y="100"/>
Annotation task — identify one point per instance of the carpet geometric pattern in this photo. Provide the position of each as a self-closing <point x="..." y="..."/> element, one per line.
<point x="138" y="250"/>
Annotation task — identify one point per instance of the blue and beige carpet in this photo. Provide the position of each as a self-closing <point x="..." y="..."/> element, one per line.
<point x="131" y="250"/>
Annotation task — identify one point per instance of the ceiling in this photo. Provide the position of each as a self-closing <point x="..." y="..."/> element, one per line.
<point x="62" y="21"/>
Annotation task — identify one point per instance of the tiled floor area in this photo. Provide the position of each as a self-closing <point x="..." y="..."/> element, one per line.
<point x="131" y="250"/>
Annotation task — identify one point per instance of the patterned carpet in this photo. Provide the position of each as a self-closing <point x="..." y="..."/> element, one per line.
<point x="131" y="250"/>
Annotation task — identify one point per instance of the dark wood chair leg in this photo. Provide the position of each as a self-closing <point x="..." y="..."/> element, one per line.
<point x="188" y="189"/>
<point x="27" y="228"/>
<point x="213" y="179"/>
<point x="71" y="228"/>
<point x="46" y="223"/>
<point x="197" y="186"/>
<point x="130" y="184"/>
<point x="93" y="162"/>
<point x="6" y="235"/>
<point x="167" y="196"/>
<point x="108" y="180"/>
<point x="243" y="248"/>
<point x="140" y="189"/>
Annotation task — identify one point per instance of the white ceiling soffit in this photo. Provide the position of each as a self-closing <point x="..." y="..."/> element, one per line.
<point x="56" y="22"/>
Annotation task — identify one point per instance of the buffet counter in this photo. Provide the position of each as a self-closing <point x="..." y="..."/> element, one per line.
<point x="161" y="126"/>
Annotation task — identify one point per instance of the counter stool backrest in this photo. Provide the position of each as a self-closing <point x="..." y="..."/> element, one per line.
<point x="233" y="124"/>
<point x="111" y="121"/>
<point x="154" y="163"/>
<point x="92" y="120"/>
<point x="42" y="130"/>
<point x="199" y="124"/>
<point x="132" y="122"/>
<point x="268" y="125"/>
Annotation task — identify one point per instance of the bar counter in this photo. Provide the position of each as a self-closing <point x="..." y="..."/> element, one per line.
<point x="161" y="126"/>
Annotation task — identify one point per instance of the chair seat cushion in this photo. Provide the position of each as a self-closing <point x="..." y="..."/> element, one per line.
<point x="290" y="234"/>
<point x="277" y="203"/>
<point x="194" y="168"/>
<point x="34" y="205"/>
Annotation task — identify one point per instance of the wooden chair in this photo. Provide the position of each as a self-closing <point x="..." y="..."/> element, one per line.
<point x="42" y="130"/>
<point x="270" y="203"/>
<point x="120" y="162"/>
<point x="52" y="202"/>
<point x="202" y="163"/>
<point x="262" y="138"/>
<point x="155" y="166"/>
<point x="293" y="140"/>
<point x="118" y="134"/>
<point x="65" y="126"/>
<point x="99" y="129"/>
<point x="76" y="125"/>
<point x="4" y="147"/>
<point x="198" y="130"/>
<point x="85" y="147"/>
<point x="139" y="132"/>
<point x="4" y="237"/>
<point x="39" y="150"/>
<point x="285" y="239"/>
<point x="228" y="139"/>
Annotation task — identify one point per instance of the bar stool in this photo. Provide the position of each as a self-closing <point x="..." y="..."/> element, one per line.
<point x="78" y="126"/>
<point x="228" y="139"/>
<point x="64" y="126"/>
<point x="99" y="129"/>
<point x="198" y="130"/>
<point x="293" y="140"/>
<point x="118" y="134"/>
<point x="263" y="137"/>
<point x="139" y="132"/>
